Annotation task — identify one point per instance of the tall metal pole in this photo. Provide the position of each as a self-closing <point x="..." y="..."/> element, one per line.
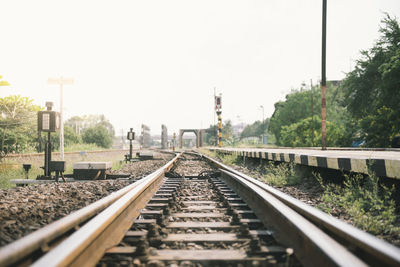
<point x="312" y="113"/>
<point x="219" y="128"/>
<point x="61" y="122"/>
<point x="323" y="75"/>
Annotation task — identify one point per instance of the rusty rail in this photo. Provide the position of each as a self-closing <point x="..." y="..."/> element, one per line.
<point x="317" y="239"/>
<point x="21" y="250"/>
<point x="86" y="246"/>
<point x="371" y="249"/>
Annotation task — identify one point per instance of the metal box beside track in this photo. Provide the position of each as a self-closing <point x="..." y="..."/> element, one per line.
<point x="57" y="166"/>
<point x="91" y="170"/>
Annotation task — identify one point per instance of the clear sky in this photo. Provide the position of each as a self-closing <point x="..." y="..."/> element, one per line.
<point x="157" y="62"/>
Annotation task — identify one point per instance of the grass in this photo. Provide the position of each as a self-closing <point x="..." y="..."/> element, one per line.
<point x="369" y="204"/>
<point x="82" y="147"/>
<point x="283" y="174"/>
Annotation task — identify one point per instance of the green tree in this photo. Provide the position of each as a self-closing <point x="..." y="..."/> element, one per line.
<point x="80" y="124"/>
<point x="255" y="129"/>
<point x="299" y="134"/>
<point x="210" y="135"/>
<point x="295" y="108"/>
<point x="227" y="134"/>
<point x="70" y="138"/>
<point x="98" y="135"/>
<point x="372" y="88"/>
<point x="3" y="83"/>
<point x="18" y="123"/>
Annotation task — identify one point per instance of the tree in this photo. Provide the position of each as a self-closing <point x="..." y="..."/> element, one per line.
<point x="70" y="138"/>
<point x="98" y="135"/>
<point x="299" y="134"/>
<point x="3" y="83"/>
<point x="18" y="123"/>
<point x="255" y="129"/>
<point x="227" y="133"/>
<point x="84" y="122"/>
<point x="210" y="135"/>
<point x="372" y="88"/>
<point x="295" y="108"/>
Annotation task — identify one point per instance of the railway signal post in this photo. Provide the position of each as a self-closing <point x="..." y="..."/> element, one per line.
<point x="130" y="137"/>
<point x="218" y="107"/>
<point x="48" y="121"/>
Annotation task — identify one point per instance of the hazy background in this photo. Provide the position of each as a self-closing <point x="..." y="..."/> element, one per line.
<point x="157" y="62"/>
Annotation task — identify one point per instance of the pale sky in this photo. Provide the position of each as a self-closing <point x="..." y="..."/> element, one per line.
<point x="157" y="62"/>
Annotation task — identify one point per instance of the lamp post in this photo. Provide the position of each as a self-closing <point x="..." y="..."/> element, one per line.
<point x="61" y="81"/>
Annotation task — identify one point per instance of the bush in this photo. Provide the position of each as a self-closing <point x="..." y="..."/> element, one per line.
<point x="369" y="204"/>
<point x="98" y="135"/>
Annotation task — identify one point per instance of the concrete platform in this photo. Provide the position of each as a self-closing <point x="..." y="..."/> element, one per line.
<point x="383" y="163"/>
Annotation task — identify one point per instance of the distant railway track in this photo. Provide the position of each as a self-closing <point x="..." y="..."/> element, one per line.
<point x="29" y="155"/>
<point x="186" y="211"/>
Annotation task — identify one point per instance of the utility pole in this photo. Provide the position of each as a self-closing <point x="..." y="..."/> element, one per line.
<point x="61" y="81"/>
<point x="312" y="113"/>
<point x="323" y="79"/>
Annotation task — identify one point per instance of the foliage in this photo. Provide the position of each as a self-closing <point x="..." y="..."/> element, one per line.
<point x="80" y="124"/>
<point x="282" y="174"/>
<point x="292" y="124"/>
<point x="98" y="135"/>
<point x="301" y="134"/>
<point x="369" y="204"/>
<point x="3" y="83"/>
<point x="255" y="129"/>
<point x="17" y="123"/>
<point x="228" y="138"/>
<point x="371" y="89"/>
<point x="210" y="135"/>
<point x="227" y="134"/>
<point x="70" y="138"/>
<point x="295" y="108"/>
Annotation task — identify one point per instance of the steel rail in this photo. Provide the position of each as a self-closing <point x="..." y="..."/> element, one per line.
<point x="21" y="249"/>
<point x="87" y="245"/>
<point x="311" y="245"/>
<point x="368" y="247"/>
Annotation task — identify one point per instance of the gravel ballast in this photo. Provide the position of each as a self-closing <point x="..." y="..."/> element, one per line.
<point x="26" y="209"/>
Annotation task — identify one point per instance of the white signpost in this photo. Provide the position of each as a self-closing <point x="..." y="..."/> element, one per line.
<point x="61" y="81"/>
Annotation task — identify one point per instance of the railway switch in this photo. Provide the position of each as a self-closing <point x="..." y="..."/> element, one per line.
<point x="26" y="167"/>
<point x="58" y="167"/>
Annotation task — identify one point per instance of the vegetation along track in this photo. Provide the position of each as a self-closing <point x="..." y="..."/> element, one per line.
<point x="195" y="211"/>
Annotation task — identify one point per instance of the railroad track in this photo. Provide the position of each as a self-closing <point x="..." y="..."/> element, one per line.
<point x="209" y="215"/>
